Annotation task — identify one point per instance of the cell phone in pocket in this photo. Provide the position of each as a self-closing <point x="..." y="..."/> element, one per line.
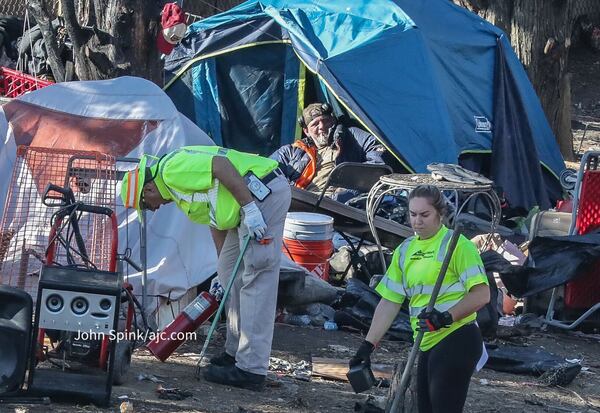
<point x="256" y="187"/>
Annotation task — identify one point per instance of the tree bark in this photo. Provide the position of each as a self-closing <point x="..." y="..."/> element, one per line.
<point x="38" y="10"/>
<point x="110" y="38"/>
<point x="540" y="33"/>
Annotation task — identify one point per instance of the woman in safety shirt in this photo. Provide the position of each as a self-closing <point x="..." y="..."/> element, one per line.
<point x="452" y="344"/>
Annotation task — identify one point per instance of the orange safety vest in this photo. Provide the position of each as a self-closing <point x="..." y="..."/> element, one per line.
<point x="311" y="168"/>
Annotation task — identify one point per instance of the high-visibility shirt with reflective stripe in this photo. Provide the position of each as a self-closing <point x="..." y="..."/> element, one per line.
<point x="185" y="177"/>
<point x="415" y="266"/>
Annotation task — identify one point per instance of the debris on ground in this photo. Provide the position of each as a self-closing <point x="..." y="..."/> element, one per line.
<point x="173" y="393"/>
<point x="300" y="370"/>
<point x="149" y="377"/>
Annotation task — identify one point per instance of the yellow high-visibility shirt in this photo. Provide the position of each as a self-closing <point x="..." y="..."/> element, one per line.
<point x="415" y="266"/>
<point x="185" y="177"/>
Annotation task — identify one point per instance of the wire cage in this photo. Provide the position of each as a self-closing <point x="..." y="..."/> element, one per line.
<point x="26" y="221"/>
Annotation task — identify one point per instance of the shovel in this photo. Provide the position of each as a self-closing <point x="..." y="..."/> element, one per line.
<point x="398" y="397"/>
<point x="211" y="330"/>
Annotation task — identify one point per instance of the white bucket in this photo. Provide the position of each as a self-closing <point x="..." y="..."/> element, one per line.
<point x="308" y="226"/>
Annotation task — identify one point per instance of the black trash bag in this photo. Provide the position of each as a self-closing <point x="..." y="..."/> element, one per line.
<point x="487" y="316"/>
<point x="552" y="369"/>
<point x="552" y="261"/>
<point x="357" y="306"/>
<point x="399" y="330"/>
<point x="494" y="262"/>
<point x="373" y="261"/>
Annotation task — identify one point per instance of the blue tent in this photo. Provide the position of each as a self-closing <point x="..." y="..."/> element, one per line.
<point x="432" y="81"/>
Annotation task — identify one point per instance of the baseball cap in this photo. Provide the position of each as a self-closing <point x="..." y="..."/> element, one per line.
<point x="314" y="110"/>
<point x="173" y="26"/>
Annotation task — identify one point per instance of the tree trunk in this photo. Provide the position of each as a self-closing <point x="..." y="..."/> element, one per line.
<point x="110" y="38"/>
<point x="541" y="36"/>
<point x="114" y="38"/>
<point x="39" y="10"/>
<point x="540" y="33"/>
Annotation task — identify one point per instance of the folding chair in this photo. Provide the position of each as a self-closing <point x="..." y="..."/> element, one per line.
<point x="359" y="177"/>
<point x="546" y="224"/>
<point x="584" y="292"/>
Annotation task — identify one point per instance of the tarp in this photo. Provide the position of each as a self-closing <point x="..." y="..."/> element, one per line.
<point x="123" y="117"/>
<point x="421" y="76"/>
<point x="552" y="261"/>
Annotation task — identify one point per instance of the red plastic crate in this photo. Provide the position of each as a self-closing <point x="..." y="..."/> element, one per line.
<point x="14" y="83"/>
<point x="584" y="292"/>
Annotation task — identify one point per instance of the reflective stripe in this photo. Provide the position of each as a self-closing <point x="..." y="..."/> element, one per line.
<point x="135" y="186"/>
<point x="128" y="200"/>
<point x="470" y="272"/>
<point x="393" y="286"/>
<point x="401" y="258"/>
<point x="415" y="311"/>
<point x="428" y="289"/>
<point x="403" y="248"/>
<point x="444" y="245"/>
<point x="209" y="197"/>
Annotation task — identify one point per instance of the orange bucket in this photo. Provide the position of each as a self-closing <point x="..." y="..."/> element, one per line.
<point x="307" y="240"/>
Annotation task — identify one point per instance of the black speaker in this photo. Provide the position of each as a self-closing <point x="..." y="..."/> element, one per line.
<point x="16" y="307"/>
<point x="77" y="310"/>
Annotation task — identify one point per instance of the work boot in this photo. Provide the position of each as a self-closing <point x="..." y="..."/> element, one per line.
<point x="223" y="360"/>
<point x="233" y="376"/>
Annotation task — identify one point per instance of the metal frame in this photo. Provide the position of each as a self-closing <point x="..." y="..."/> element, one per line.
<point x="549" y="318"/>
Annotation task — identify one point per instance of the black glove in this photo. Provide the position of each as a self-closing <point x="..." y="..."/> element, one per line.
<point x="434" y="320"/>
<point x="363" y="354"/>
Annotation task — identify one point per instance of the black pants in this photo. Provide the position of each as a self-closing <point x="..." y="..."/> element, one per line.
<point x="445" y="371"/>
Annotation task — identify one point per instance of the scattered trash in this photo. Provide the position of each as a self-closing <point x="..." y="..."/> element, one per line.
<point x="295" y="320"/>
<point x="192" y="356"/>
<point x="242" y="410"/>
<point x="340" y="349"/>
<point x="560" y="376"/>
<point x="372" y="404"/>
<point x="484" y="382"/>
<point x="126" y="407"/>
<point x="149" y="377"/>
<point x="318" y="313"/>
<point x="300" y="370"/>
<point x="173" y="393"/>
<point x="330" y="325"/>
<point x="507" y="321"/>
<point x="551" y="369"/>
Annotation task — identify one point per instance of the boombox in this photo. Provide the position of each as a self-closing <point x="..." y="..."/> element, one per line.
<point x="77" y="310"/>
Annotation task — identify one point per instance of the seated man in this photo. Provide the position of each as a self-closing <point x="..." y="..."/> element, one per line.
<point x="308" y="162"/>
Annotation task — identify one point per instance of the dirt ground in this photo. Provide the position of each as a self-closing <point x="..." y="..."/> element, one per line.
<point x="490" y="391"/>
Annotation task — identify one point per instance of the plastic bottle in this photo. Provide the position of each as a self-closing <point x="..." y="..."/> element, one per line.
<point x="296" y="320"/>
<point x="330" y="325"/>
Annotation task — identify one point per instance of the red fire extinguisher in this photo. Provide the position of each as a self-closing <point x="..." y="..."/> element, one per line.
<point x="192" y="316"/>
